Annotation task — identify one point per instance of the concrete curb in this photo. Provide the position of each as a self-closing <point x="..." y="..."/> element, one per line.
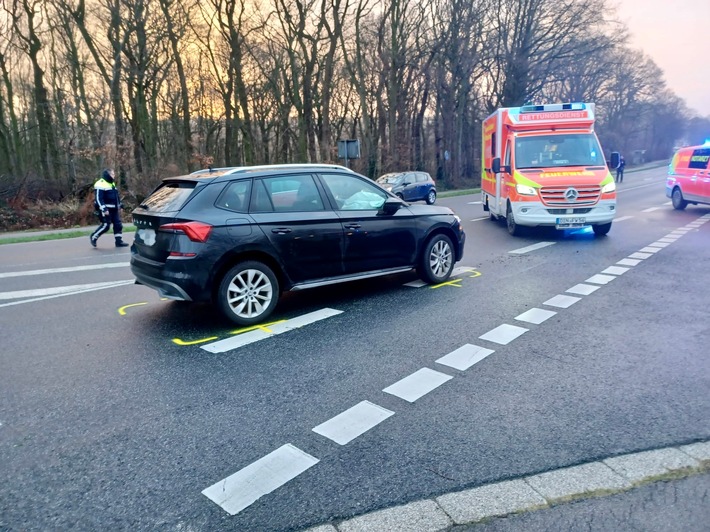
<point x="595" y="479"/>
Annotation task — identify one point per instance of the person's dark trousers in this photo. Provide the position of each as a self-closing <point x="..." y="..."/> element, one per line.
<point x="106" y="221"/>
<point x="619" y="176"/>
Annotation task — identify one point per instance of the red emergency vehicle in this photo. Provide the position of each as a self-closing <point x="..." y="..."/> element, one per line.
<point x="543" y="166"/>
<point x="689" y="176"/>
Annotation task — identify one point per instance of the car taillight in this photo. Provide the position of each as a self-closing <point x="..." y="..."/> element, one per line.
<point x="195" y="231"/>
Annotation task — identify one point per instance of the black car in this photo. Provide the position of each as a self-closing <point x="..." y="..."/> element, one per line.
<point x="238" y="237"/>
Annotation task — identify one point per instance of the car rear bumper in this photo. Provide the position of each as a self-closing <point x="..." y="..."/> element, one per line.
<point x="172" y="279"/>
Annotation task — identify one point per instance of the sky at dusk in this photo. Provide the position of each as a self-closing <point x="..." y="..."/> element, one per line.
<point x="676" y="35"/>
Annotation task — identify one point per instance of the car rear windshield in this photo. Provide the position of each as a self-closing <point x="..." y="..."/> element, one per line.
<point x="169" y="196"/>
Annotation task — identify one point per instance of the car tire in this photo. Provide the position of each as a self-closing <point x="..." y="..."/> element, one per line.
<point x="248" y="293"/>
<point x="437" y="260"/>
<point x="431" y="197"/>
<point x="601" y="229"/>
<point x="513" y="228"/>
<point x="677" y="199"/>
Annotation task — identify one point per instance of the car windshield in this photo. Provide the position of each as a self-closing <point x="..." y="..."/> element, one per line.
<point x="544" y="151"/>
<point x="391" y="179"/>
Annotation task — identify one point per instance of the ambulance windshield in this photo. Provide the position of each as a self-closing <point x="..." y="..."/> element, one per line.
<point x="545" y="151"/>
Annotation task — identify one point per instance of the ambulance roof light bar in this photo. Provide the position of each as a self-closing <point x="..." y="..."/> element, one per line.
<point x="577" y="106"/>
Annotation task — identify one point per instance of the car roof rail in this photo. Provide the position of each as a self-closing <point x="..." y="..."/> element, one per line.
<point x="228" y="170"/>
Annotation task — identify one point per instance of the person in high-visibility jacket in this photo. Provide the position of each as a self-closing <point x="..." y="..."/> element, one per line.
<point x="107" y="203"/>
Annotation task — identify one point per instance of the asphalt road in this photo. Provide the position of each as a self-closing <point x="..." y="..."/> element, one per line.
<point x="117" y="409"/>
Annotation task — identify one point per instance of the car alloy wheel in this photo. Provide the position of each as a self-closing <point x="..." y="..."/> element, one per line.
<point x="431" y="197"/>
<point x="438" y="260"/>
<point x="248" y="293"/>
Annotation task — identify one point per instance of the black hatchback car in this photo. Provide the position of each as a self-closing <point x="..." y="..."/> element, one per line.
<point x="239" y="237"/>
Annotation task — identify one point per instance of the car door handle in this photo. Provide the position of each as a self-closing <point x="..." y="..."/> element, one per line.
<point x="353" y="226"/>
<point x="281" y="230"/>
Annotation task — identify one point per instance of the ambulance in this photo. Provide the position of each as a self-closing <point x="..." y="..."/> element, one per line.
<point x="689" y="176"/>
<point x="542" y="165"/>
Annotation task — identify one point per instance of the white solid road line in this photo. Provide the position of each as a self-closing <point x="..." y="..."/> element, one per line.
<point x="250" y="337"/>
<point x="66" y="270"/>
<point x="465" y="356"/>
<point x="60" y="290"/>
<point x="539" y="245"/>
<point x="353" y="422"/>
<point x="91" y="288"/>
<point x="621" y="219"/>
<point x="247" y="485"/>
<point x="418" y="384"/>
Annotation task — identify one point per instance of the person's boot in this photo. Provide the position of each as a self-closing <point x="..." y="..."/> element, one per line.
<point x="120" y="243"/>
<point x="93" y="240"/>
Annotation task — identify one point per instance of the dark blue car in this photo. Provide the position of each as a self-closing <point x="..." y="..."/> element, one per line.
<point x="410" y="186"/>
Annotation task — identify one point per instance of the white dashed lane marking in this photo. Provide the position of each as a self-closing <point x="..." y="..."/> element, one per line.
<point x="582" y="289"/>
<point x="640" y="255"/>
<point x="504" y="334"/>
<point x="534" y="247"/>
<point x="649" y="249"/>
<point x="247" y="485"/>
<point x="600" y="279"/>
<point x="465" y="356"/>
<point x="615" y="270"/>
<point x="418" y="384"/>
<point x="628" y="262"/>
<point x="651" y="209"/>
<point x="621" y="219"/>
<point x="562" y="301"/>
<point x="535" y="315"/>
<point x="354" y="422"/>
<point x="250" y="337"/>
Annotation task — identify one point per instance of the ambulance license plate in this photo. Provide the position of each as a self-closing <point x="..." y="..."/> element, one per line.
<point x="563" y="223"/>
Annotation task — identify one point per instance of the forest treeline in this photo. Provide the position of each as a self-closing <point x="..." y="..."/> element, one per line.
<point x="164" y="87"/>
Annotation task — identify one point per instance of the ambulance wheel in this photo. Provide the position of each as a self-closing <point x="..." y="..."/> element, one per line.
<point x="601" y="229"/>
<point x="677" y="198"/>
<point x="513" y="228"/>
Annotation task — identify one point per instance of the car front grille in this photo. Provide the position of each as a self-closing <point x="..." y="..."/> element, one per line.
<point x="555" y="196"/>
<point x="564" y="211"/>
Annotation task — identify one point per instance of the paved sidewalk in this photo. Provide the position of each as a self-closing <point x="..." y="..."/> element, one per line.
<point x="593" y="481"/>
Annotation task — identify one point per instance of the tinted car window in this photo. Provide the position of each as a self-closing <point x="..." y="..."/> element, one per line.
<point x="422" y="178"/>
<point x="169" y="197"/>
<point x="287" y="194"/>
<point x="354" y="194"/>
<point x="235" y="196"/>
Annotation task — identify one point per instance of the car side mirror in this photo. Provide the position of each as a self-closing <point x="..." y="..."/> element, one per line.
<point x="496" y="166"/>
<point x="614" y="163"/>
<point x="391" y="206"/>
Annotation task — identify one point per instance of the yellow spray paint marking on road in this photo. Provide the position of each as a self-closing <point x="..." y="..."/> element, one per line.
<point x="456" y="281"/>
<point x="450" y="282"/>
<point x="122" y="310"/>
<point x="194" y="342"/>
<point x="264" y="327"/>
